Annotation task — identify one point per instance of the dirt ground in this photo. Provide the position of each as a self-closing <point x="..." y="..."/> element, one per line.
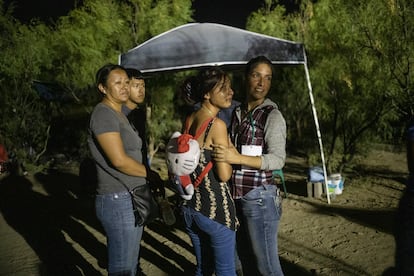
<point x="48" y="226"/>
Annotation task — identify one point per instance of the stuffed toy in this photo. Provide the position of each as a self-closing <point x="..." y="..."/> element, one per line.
<point x="183" y="154"/>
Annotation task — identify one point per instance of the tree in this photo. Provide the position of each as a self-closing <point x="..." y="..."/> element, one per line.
<point x="162" y="119"/>
<point x="289" y="88"/>
<point x="26" y="124"/>
<point x="361" y="60"/>
<point x="67" y="53"/>
<point x="96" y="33"/>
<point x="145" y="21"/>
<point x="359" y="57"/>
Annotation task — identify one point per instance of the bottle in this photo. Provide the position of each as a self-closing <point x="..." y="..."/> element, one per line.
<point x="167" y="214"/>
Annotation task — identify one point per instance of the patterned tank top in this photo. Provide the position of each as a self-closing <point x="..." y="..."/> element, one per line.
<point x="212" y="197"/>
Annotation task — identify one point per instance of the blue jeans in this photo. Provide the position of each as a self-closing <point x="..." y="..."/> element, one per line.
<point x="214" y="244"/>
<point x="123" y="238"/>
<point x="259" y="213"/>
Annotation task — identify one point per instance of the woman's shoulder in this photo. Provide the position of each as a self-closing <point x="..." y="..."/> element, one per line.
<point x="215" y="125"/>
<point x="102" y="109"/>
<point x="275" y="116"/>
<point x="219" y="124"/>
<point x="99" y="108"/>
<point x="219" y="130"/>
<point x="272" y="108"/>
<point x="103" y="115"/>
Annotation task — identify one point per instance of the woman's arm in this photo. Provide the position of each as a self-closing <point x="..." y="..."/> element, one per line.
<point x="219" y="137"/>
<point x="111" y="143"/>
<point x="275" y="139"/>
<point x="230" y="155"/>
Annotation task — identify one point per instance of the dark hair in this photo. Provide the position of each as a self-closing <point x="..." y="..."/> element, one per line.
<point x="254" y="62"/>
<point x="134" y="74"/>
<point x="194" y="88"/>
<point x="103" y="73"/>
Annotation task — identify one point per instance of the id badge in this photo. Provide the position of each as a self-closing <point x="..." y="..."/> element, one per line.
<point x="250" y="150"/>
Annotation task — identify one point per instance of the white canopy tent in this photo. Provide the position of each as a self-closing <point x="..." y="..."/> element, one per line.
<point x="196" y="45"/>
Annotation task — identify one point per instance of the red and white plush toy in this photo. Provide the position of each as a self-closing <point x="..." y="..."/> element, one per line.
<point x="183" y="154"/>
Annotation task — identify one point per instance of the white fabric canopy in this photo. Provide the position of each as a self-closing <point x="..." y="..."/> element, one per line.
<point x="198" y="45"/>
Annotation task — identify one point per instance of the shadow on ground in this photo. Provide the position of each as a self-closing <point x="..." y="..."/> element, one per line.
<point x="52" y="222"/>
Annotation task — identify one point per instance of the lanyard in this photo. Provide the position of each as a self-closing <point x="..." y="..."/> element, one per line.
<point x="252" y="125"/>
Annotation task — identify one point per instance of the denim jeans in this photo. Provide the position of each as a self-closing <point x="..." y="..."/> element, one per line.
<point x="259" y="213"/>
<point x="123" y="238"/>
<point x="214" y="244"/>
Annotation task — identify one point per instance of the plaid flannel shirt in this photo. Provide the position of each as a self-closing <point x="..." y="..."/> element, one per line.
<point x="242" y="129"/>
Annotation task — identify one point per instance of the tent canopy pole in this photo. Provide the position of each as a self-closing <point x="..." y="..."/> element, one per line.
<point x="318" y="132"/>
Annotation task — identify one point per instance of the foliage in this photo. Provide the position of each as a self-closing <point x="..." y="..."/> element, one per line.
<point x="148" y="18"/>
<point x="26" y="124"/>
<point x="270" y="21"/>
<point x="289" y="87"/>
<point x="145" y="22"/>
<point x="67" y="54"/>
<point x="83" y="41"/>
<point x="360" y="59"/>
<point x="161" y="106"/>
<point x="360" y="74"/>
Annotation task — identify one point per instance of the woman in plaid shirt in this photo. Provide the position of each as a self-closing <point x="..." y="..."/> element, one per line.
<point x="258" y="133"/>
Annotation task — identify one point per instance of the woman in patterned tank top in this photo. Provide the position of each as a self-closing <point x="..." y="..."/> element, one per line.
<point x="210" y="215"/>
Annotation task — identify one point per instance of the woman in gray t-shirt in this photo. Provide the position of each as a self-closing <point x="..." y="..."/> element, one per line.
<point x="116" y="149"/>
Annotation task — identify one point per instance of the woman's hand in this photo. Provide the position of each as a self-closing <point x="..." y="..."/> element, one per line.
<point x="230" y="155"/>
<point x="226" y="154"/>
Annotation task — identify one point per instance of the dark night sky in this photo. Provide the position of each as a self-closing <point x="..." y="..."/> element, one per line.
<point x="228" y="12"/>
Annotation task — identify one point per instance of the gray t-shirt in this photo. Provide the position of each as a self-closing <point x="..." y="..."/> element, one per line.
<point x="104" y="119"/>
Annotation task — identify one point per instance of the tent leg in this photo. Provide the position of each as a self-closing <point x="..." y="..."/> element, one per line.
<point x="318" y="132"/>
